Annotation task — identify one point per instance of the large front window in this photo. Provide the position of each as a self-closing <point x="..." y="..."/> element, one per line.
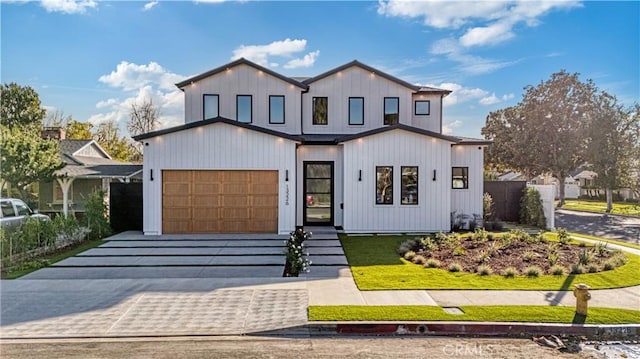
<point x="384" y="185"/>
<point x="460" y="177"/>
<point x="356" y="110"/>
<point x="276" y="109"/>
<point x="409" y="190"/>
<point x="243" y="108"/>
<point x="391" y="110"/>
<point x="320" y="110"/>
<point x="211" y="107"/>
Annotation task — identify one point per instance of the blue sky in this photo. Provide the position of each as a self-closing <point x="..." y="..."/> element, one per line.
<point x="92" y="59"/>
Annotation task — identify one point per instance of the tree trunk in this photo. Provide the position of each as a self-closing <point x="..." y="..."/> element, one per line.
<point x="561" y="180"/>
<point x="609" y="194"/>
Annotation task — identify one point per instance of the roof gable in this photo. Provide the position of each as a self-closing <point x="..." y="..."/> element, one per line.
<point x="399" y="127"/>
<point x="241" y="61"/>
<point x="87" y="148"/>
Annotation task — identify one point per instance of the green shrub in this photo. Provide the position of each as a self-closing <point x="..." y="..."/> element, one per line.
<point x="453" y="240"/>
<point x="601" y="249"/>
<point x="432" y="263"/>
<point x="563" y="236"/>
<point x="483" y="257"/>
<point x="510" y="272"/>
<point x="440" y="238"/>
<point x="618" y="258"/>
<point x="407" y="246"/>
<point x="577" y="269"/>
<point x="459" y="251"/>
<point x="533" y="271"/>
<point x="484" y="270"/>
<point x="428" y="244"/>
<point x="557" y="270"/>
<point x="528" y="256"/>
<point x="455" y="267"/>
<point x="96" y="216"/>
<point x="481" y="235"/>
<point x="409" y="255"/>
<point x="488" y="208"/>
<point x="593" y="268"/>
<point x="585" y="257"/>
<point x="531" y="210"/>
<point x="418" y="259"/>
<point x="297" y="258"/>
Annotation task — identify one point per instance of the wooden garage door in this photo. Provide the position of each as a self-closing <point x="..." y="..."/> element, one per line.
<point x="219" y="201"/>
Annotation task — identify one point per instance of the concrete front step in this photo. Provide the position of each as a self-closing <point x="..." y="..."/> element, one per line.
<point x="157" y="272"/>
<point x="83" y="261"/>
<point x="195" y="243"/>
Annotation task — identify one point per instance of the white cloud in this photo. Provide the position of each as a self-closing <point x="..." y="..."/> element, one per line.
<point x="307" y="61"/>
<point x="261" y="54"/>
<point x="148" y="6"/>
<point x="448" y="128"/>
<point x="68" y="6"/>
<point x="459" y="93"/>
<point x="451" y="49"/>
<point x="493" y="99"/>
<point x="487" y="35"/>
<point x="139" y="83"/>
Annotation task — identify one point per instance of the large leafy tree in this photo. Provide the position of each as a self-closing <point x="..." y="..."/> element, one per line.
<point x="76" y="130"/>
<point x="26" y="157"/>
<point x="107" y="134"/>
<point x="546" y="132"/>
<point x="613" y="141"/>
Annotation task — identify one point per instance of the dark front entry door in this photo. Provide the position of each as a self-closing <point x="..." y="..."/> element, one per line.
<point x="318" y="193"/>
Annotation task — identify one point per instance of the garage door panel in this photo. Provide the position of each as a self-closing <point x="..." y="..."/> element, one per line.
<point x="220" y="201"/>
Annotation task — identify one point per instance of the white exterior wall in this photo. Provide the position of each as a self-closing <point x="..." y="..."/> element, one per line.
<point x="217" y="147"/>
<point x="432" y="122"/>
<point x="321" y="153"/>
<point x="547" y="196"/>
<point x="245" y="80"/>
<point x="468" y="201"/>
<point x="397" y="148"/>
<point x="354" y="82"/>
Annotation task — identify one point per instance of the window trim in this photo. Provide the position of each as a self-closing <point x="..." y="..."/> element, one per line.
<point x="250" y="108"/>
<point x="349" y="109"/>
<point x="465" y="177"/>
<point x="284" y="115"/>
<point x="204" y="96"/>
<point x="415" y="108"/>
<point x="417" y="186"/>
<point x="376" y="188"/>
<point x="313" y="112"/>
<point x="384" y="111"/>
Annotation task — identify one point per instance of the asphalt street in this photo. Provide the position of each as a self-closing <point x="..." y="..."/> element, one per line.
<point x="602" y="225"/>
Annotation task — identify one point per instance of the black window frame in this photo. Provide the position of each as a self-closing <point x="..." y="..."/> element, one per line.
<point x="402" y="186"/>
<point x="284" y="115"/>
<point x="384" y="111"/>
<point x="464" y="176"/>
<point x="381" y="201"/>
<point x="349" y="109"/>
<point x="204" y="106"/>
<point x="250" y="108"/>
<point x="415" y="108"/>
<point x="313" y="111"/>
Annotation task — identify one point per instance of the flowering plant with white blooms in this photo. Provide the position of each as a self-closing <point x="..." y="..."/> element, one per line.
<point x="297" y="257"/>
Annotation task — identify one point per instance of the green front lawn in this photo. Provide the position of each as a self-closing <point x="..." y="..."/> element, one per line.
<point x="601" y="206"/>
<point x="505" y="313"/>
<point x="376" y="266"/>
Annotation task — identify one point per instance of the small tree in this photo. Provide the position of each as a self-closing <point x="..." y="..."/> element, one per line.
<point x="96" y="216"/>
<point x="488" y="208"/>
<point x="531" y="210"/>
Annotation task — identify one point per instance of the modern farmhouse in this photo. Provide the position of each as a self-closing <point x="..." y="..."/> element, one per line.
<point x="353" y="147"/>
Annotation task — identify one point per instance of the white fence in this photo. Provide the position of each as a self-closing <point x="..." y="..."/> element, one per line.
<point x="547" y="194"/>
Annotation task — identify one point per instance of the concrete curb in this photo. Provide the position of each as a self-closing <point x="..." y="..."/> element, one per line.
<point x="495" y="329"/>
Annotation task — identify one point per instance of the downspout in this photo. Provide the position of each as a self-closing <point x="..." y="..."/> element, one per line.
<point x="441" y="111"/>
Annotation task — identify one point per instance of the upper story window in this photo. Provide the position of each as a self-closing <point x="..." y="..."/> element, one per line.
<point x="320" y="110"/>
<point x="276" y="109"/>
<point x="243" y="108"/>
<point x="384" y="185"/>
<point x="460" y="177"/>
<point x="211" y="106"/>
<point x="391" y="110"/>
<point x="409" y="188"/>
<point x="422" y="108"/>
<point x="356" y="110"/>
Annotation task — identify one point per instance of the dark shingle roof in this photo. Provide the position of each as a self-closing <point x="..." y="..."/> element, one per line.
<point x="88" y="166"/>
<point x="69" y="147"/>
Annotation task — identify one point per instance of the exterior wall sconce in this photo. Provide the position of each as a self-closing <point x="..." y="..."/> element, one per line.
<point x="286" y="175"/>
<point x="434" y="175"/>
<point x="359" y="175"/>
<point x="151" y="174"/>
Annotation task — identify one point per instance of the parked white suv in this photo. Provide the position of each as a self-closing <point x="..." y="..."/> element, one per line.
<point x="14" y="213"/>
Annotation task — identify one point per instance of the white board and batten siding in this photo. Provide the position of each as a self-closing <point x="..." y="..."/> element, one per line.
<point x="245" y="80"/>
<point x="218" y="147"/>
<point x="354" y="82"/>
<point x="432" y="121"/>
<point x="322" y="153"/>
<point x="397" y="148"/>
<point x="468" y="201"/>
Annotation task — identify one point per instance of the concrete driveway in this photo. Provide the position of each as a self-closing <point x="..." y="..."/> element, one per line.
<point x="609" y="226"/>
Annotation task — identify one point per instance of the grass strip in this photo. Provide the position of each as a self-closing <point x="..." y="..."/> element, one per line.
<point x="37" y="263"/>
<point x="376" y="266"/>
<point x="600" y="239"/>
<point x="630" y="209"/>
<point x="492" y="313"/>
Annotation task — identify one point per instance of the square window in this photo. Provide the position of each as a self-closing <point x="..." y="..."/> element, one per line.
<point x="211" y="104"/>
<point x="384" y="185"/>
<point x="320" y="110"/>
<point x="243" y="108"/>
<point x="356" y="110"/>
<point x="276" y="109"/>
<point x="391" y="110"/>
<point x="409" y="190"/>
<point x="422" y="108"/>
<point x="460" y="177"/>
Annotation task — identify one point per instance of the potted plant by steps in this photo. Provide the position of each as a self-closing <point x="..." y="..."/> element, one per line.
<point x="297" y="257"/>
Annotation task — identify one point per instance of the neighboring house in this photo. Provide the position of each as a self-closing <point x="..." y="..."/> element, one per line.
<point x="88" y="169"/>
<point x="353" y="148"/>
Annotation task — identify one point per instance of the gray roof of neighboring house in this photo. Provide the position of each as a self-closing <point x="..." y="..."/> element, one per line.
<point x="88" y="166"/>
